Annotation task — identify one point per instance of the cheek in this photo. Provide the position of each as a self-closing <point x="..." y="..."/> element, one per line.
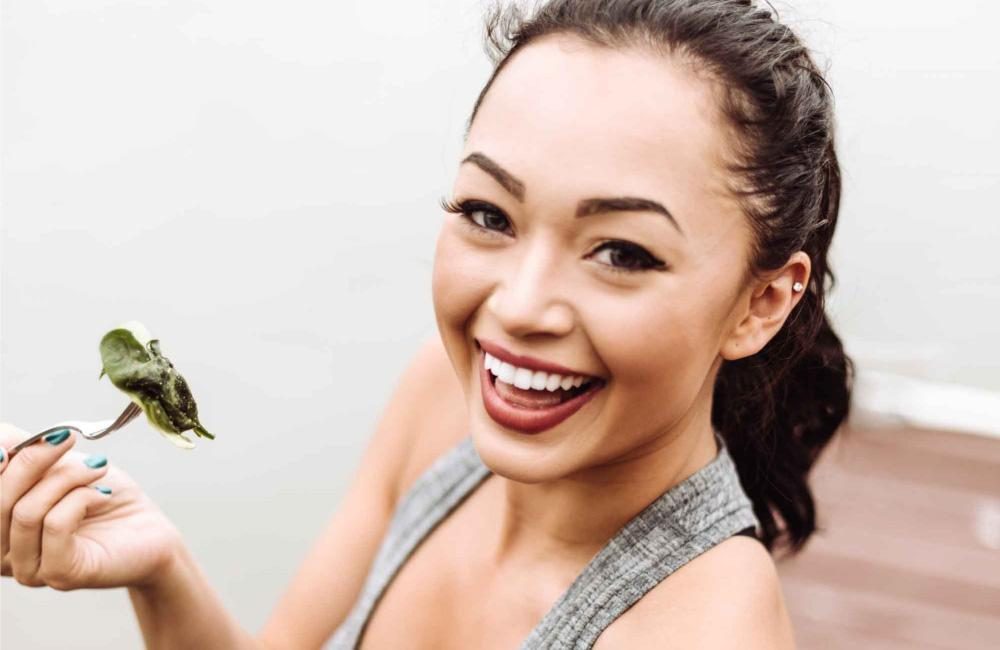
<point x="459" y="286"/>
<point x="662" y="344"/>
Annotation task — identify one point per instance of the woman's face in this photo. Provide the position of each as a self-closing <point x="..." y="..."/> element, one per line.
<point x="599" y="235"/>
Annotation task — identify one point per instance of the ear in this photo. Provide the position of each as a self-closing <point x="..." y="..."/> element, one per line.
<point x="764" y="306"/>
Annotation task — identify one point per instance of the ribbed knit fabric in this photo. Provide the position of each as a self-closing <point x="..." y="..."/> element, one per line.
<point x="684" y="522"/>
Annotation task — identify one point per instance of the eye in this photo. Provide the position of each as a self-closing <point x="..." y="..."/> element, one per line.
<point x="626" y="257"/>
<point x="480" y="215"/>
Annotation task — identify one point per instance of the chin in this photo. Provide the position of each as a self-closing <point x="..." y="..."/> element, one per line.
<point x="515" y="456"/>
<point x="504" y="458"/>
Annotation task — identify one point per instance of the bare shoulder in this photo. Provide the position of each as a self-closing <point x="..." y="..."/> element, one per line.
<point x="728" y="597"/>
<point x="435" y="396"/>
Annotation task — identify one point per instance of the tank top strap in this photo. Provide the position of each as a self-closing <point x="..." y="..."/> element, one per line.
<point x="684" y="522"/>
<point x="438" y="491"/>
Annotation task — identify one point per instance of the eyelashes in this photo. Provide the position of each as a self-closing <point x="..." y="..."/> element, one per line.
<point x="469" y="208"/>
<point x="632" y="258"/>
<point x="622" y="256"/>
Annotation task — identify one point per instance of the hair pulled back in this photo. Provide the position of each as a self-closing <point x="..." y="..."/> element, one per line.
<point x="776" y="409"/>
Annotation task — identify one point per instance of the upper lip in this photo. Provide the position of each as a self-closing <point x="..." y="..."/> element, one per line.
<point x="524" y="361"/>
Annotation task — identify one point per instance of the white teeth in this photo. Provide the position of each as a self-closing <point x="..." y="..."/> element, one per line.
<point x="524" y="378"/>
<point x="506" y="373"/>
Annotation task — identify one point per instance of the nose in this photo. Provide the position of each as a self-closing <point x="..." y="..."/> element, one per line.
<point x="530" y="299"/>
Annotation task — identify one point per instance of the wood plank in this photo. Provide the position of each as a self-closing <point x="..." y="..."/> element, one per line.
<point x="872" y="575"/>
<point x="867" y="454"/>
<point x="882" y="617"/>
<point x="821" y="635"/>
<point x="910" y="552"/>
<point x="943" y="515"/>
<point x="939" y="444"/>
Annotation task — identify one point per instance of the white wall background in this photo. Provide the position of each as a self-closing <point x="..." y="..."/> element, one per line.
<point x="257" y="182"/>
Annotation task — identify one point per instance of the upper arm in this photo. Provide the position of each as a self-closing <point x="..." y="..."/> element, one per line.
<point x="333" y="572"/>
<point x="729" y="597"/>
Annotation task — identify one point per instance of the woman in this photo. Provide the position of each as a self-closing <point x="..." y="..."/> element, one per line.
<point x="634" y="375"/>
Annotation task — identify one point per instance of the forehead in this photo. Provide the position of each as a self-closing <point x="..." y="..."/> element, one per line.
<point x="572" y="119"/>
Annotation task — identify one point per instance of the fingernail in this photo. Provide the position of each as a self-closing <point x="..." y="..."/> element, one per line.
<point x="102" y="489"/>
<point x="95" y="461"/>
<point x="3" y="454"/>
<point x="56" y="437"/>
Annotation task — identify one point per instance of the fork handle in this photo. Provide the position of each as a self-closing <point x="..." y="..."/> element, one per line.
<point x="35" y="438"/>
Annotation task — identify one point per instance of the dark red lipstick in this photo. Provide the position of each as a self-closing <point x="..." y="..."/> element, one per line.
<point x="530" y="420"/>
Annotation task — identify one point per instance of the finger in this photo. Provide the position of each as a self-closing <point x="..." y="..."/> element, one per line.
<point x="24" y="470"/>
<point x="30" y="513"/>
<point x="62" y="564"/>
<point x="11" y="435"/>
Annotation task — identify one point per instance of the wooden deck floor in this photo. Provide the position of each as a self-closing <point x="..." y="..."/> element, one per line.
<point x="908" y="555"/>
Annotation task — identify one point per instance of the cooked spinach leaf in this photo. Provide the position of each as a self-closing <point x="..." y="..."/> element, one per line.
<point x="133" y="362"/>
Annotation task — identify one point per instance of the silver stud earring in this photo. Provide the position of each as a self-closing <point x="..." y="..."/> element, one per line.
<point x="797" y="287"/>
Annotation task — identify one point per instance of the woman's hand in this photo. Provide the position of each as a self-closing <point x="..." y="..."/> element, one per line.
<point x="58" y="530"/>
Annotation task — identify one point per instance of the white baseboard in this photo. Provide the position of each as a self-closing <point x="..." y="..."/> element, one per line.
<point x="888" y="399"/>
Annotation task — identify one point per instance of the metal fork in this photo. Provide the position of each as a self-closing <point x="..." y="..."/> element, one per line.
<point x="88" y="430"/>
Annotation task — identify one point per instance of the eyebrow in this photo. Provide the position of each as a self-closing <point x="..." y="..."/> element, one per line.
<point x="585" y="208"/>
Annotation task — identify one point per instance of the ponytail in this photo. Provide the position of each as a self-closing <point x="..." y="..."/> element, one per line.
<point x="776" y="414"/>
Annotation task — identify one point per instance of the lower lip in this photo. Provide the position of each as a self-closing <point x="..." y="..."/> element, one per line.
<point x="528" y="420"/>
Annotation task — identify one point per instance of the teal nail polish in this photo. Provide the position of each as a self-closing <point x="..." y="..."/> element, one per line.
<point x="96" y="461"/>
<point x="102" y="489"/>
<point x="2" y="454"/>
<point x="57" y="437"/>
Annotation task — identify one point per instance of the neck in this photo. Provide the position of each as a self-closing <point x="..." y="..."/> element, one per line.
<point x="568" y="520"/>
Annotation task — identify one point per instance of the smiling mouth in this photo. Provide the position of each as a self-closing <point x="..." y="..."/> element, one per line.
<point x="535" y="407"/>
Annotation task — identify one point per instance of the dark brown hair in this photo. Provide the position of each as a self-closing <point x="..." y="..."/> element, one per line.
<point x="778" y="408"/>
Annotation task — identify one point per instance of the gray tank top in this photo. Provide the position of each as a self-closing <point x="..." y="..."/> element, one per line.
<point x="684" y="522"/>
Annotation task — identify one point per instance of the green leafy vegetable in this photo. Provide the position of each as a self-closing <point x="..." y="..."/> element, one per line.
<point x="133" y="362"/>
